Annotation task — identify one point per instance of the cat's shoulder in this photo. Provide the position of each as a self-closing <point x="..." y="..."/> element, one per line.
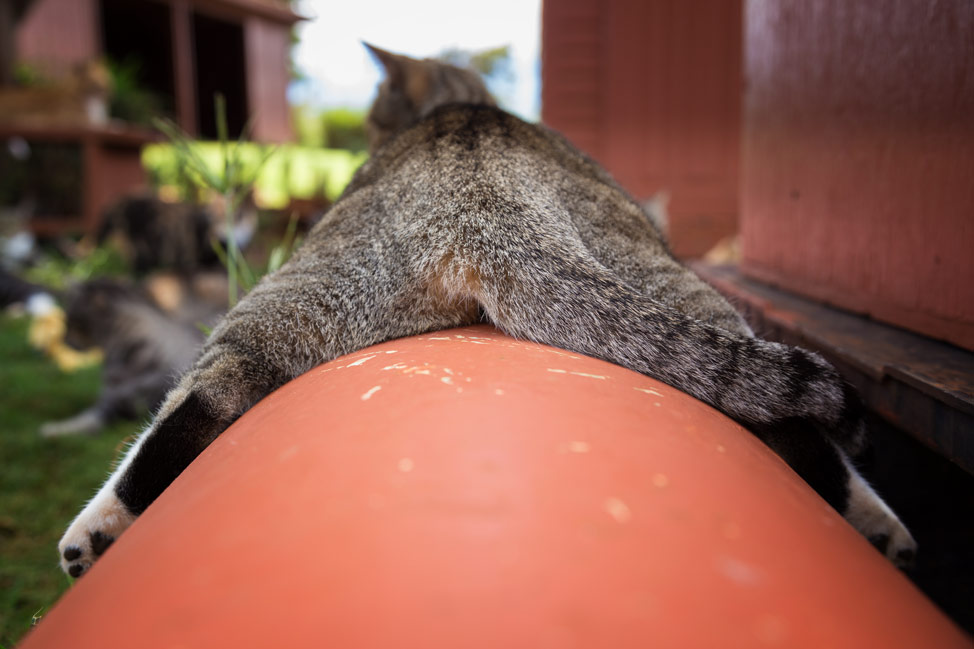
<point x="466" y="126"/>
<point x="454" y="132"/>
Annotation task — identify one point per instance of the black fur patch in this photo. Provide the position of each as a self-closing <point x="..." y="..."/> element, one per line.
<point x="729" y="372"/>
<point x="100" y="542"/>
<point x="468" y="134"/>
<point x="853" y="412"/>
<point x="807" y="450"/>
<point x="906" y="557"/>
<point x="72" y="552"/>
<point x="802" y="371"/>
<point x="880" y="541"/>
<point x="76" y="570"/>
<point x="169" y="449"/>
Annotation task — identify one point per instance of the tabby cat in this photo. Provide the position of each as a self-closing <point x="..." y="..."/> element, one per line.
<point x="463" y="209"/>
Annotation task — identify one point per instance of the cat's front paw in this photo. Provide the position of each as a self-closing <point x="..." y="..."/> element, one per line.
<point x="90" y="534"/>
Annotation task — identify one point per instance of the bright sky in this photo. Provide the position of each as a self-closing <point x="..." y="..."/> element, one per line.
<point x="341" y="73"/>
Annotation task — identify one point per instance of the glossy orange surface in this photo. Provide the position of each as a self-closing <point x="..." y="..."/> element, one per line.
<point x="464" y="489"/>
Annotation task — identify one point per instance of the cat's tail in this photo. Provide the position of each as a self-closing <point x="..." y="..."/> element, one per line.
<point x="791" y="398"/>
<point x="581" y="306"/>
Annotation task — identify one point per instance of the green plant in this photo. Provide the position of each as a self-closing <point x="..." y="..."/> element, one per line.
<point x="130" y="100"/>
<point x="344" y="128"/>
<point x="234" y="182"/>
<point x="309" y="125"/>
<point x="294" y="171"/>
<point x="56" y="271"/>
<point x="27" y="75"/>
<point x="282" y="251"/>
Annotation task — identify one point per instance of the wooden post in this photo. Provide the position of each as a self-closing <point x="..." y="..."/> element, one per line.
<point x="183" y="56"/>
<point x="10" y="13"/>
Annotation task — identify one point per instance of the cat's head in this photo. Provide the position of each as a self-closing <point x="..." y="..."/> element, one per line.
<point x="413" y="88"/>
<point x="91" y="308"/>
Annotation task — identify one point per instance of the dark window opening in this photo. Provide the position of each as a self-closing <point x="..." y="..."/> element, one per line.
<point x="42" y="179"/>
<point x="220" y="68"/>
<point x="137" y="39"/>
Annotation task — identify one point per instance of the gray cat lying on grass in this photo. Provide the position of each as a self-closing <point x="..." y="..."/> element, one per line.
<point x="464" y="209"/>
<point x="145" y="350"/>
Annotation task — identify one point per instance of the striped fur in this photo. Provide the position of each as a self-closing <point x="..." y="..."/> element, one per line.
<point x="413" y="88"/>
<point x="465" y="209"/>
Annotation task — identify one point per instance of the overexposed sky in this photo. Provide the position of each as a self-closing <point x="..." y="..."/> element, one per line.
<point x="342" y="73"/>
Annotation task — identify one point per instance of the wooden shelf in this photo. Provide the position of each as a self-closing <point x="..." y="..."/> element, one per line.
<point x="112" y="133"/>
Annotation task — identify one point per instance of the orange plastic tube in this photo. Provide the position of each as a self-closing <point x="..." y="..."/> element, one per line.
<point x="464" y="489"/>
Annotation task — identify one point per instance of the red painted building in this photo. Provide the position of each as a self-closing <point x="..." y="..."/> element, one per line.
<point x="838" y="135"/>
<point x="186" y="52"/>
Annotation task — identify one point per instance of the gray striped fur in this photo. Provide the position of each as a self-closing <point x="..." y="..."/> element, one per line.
<point x="465" y="209"/>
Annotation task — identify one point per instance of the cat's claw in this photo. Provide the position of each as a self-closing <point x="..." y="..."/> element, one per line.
<point x="92" y="532"/>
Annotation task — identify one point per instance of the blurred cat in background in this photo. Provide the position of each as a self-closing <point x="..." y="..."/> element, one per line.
<point x="145" y="347"/>
<point x="154" y="234"/>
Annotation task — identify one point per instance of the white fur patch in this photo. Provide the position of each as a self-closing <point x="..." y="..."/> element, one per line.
<point x="104" y="514"/>
<point x="868" y="513"/>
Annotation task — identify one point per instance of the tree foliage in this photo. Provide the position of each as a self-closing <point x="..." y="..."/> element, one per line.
<point x="493" y="63"/>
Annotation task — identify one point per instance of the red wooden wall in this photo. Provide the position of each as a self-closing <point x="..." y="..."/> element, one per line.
<point x="268" y="47"/>
<point x="651" y="89"/>
<point x="858" y="157"/>
<point x="56" y="35"/>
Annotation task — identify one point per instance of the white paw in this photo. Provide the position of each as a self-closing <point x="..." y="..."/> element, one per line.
<point x="94" y="529"/>
<point x="874" y="519"/>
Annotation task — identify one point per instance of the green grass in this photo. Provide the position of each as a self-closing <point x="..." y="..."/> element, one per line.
<point x="43" y="482"/>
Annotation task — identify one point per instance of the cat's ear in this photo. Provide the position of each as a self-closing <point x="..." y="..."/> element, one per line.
<point x="394" y="64"/>
<point x="409" y="76"/>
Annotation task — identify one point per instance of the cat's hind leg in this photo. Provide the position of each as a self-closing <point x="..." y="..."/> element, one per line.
<point x="791" y="398"/>
<point x="318" y="307"/>
<point x="829" y="470"/>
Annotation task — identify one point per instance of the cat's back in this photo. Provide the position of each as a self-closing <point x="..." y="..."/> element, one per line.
<point x="475" y="144"/>
<point x="497" y="170"/>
